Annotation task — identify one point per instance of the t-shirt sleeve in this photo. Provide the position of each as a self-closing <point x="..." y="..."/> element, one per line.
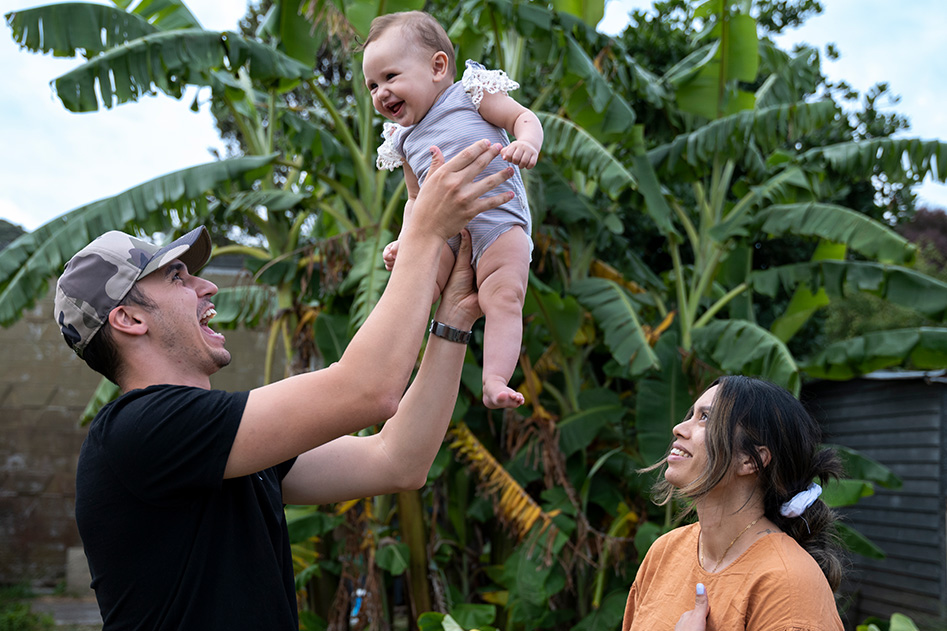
<point x="630" y="605"/>
<point x="791" y="594"/>
<point x="173" y="442"/>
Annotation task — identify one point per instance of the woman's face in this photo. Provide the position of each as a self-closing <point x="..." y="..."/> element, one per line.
<point x="688" y="457"/>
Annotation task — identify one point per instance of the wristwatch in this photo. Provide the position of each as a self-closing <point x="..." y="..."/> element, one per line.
<point x="449" y="333"/>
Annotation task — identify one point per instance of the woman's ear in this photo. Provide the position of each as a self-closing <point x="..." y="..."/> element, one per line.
<point x="440" y="66"/>
<point x="748" y="464"/>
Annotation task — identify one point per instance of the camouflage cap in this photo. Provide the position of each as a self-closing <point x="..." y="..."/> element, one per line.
<point x="101" y="274"/>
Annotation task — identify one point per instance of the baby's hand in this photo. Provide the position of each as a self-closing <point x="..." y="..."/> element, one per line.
<point x="520" y="153"/>
<point x="390" y="254"/>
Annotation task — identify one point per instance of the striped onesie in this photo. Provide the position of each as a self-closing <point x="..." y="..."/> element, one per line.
<point x="452" y="124"/>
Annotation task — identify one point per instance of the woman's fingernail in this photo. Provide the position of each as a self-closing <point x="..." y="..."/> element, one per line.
<point x="700" y="589"/>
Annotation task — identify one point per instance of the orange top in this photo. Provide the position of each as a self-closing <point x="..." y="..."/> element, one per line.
<point x="774" y="586"/>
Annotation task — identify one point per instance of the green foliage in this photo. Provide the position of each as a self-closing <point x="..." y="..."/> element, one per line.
<point x="703" y="200"/>
<point x="898" y="622"/>
<point x="16" y="613"/>
<point x="19" y="617"/>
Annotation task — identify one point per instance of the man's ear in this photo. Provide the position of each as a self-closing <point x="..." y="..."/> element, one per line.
<point x="125" y="319"/>
<point x="440" y="66"/>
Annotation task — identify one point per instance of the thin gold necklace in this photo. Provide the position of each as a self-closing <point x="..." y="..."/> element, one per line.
<point x="714" y="571"/>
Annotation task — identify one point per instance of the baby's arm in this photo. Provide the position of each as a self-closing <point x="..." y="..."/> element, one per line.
<point x="411" y="183"/>
<point x="501" y="110"/>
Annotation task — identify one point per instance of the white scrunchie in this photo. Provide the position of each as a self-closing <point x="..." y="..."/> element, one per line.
<point x="801" y="501"/>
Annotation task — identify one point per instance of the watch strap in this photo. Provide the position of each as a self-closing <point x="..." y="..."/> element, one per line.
<point x="449" y="333"/>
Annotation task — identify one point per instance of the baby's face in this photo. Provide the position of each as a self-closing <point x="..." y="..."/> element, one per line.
<point x="402" y="78"/>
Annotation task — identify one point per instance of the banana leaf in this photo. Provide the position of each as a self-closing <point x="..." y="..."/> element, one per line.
<point x="249" y="306"/>
<point x="863" y="234"/>
<point x="614" y="310"/>
<point x="74" y="28"/>
<point x="569" y="142"/>
<point x="741" y="347"/>
<point x="168" y="61"/>
<point x="898" y="285"/>
<point x="898" y="158"/>
<point x="762" y="130"/>
<point x="33" y="258"/>
<point x="923" y="348"/>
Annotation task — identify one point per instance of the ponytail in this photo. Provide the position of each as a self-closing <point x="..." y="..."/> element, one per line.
<point x="814" y="529"/>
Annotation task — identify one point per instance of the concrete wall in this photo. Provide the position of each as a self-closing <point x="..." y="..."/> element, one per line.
<point x="44" y="388"/>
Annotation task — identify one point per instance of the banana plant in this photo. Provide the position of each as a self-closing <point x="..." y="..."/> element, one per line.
<point x="737" y="180"/>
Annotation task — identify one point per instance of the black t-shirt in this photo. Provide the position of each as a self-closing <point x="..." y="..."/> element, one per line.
<point x="171" y="544"/>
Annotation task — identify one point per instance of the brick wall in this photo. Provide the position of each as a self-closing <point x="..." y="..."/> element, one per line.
<point x="44" y="388"/>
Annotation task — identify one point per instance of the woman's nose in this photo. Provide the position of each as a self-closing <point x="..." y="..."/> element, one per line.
<point x="680" y="429"/>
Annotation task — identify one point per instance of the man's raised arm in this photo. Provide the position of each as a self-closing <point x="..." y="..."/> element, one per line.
<point x="292" y="416"/>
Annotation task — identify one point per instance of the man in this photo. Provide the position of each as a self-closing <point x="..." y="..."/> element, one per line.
<point x="180" y="488"/>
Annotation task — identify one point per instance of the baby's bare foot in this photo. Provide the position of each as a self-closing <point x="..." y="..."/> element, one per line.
<point x="496" y="395"/>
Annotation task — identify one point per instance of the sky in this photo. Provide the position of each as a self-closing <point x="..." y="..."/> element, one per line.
<point x="52" y="161"/>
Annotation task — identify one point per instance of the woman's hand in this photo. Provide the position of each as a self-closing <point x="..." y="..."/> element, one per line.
<point x="696" y="618"/>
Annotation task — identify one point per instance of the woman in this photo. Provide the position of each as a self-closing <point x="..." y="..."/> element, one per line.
<point x="761" y="555"/>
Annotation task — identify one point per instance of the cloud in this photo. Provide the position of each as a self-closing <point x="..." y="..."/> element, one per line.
<point x="53" y="161"/>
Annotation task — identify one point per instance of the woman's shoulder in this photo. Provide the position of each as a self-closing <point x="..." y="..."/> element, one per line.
<point x="778" y="561"/>
<point x="787" y="585"/>
<point x="786" y="551"/>
<point x="674" y="540"/>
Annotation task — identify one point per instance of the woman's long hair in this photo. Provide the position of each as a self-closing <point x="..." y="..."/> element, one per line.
<point x="748" y="413"/>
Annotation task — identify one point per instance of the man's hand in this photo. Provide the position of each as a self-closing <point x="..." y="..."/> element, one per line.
<point x="459" y="305"/>
<point x="696" y="618"/>
<point x="450" y="197"/>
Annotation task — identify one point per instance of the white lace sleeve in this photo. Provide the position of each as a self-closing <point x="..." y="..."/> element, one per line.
<point x="476" y="79"/>
<point x="388" y="156"/>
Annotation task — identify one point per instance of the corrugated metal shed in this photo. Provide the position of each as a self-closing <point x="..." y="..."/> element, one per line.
<point x="898" y="419"/>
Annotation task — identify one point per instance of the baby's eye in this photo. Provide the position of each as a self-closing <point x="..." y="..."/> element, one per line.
<point x="372" y="86"/>
<point x="390" y="76"/>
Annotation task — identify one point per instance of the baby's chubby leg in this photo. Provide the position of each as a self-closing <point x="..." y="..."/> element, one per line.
<point x="502" y="277"/>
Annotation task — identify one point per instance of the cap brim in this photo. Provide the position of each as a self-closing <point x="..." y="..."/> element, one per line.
<point x="193" y="249"/>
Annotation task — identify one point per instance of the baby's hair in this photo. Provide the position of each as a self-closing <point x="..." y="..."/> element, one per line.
<point x="427" y="32"/>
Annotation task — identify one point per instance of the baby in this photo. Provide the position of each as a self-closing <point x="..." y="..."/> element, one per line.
<point x="409" y="67"/>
